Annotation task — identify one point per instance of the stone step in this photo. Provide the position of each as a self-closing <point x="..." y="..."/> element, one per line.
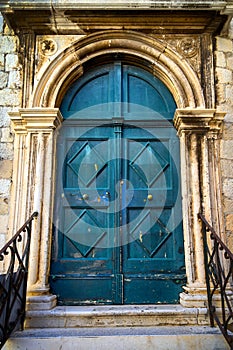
<point x="119" y="338"/>
<point x="116" y="316"/>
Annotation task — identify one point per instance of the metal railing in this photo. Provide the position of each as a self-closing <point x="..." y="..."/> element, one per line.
<point x="219" y="277"/>
<point x="14" y="258"/>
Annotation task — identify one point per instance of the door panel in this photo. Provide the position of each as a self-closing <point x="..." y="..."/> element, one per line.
<point x="118" y="222"/>
<point x="145" y="96"/>
<point x="82" y="231"/>
<point x="94" y="89"/>
<point x="153" y="257"/>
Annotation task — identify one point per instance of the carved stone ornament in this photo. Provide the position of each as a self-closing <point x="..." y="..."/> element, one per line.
<point x="48" y="47"/>
<point x="187" y="47"/>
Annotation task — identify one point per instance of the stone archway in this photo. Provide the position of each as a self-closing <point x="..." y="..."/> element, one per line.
<point x="35" y="142"/>
<point x="165" y="63"/>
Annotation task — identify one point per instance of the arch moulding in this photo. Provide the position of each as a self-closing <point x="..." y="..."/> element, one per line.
<point x="35" y="149"/>
<point x="164" y="62"/>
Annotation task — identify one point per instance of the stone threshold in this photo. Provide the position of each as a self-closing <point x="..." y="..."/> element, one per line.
<point x="116" y="316"/>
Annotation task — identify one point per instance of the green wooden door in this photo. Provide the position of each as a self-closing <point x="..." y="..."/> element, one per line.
<point x="117" y="226"/>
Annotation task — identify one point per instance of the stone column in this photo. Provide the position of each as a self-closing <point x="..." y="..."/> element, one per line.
<point x="33" y="179"/>
<point x="198" y="130"/>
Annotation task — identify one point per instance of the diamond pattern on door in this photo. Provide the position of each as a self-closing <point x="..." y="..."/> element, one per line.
<point x="152" y="240"/>
<point x="149" y="164"/>
<point x="86" y="163"/>
<point x="85" y="233"/>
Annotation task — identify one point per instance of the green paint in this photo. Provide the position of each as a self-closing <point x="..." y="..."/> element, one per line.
<point x="118" y="232"/>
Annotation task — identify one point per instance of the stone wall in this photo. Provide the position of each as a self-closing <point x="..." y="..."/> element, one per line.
<point x="10" y="96"/>
<point x="224" y="96"/>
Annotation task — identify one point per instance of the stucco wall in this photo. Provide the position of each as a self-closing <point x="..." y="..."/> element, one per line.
<point x="10" y="96"/>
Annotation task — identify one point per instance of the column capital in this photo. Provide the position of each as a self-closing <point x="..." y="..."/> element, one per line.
<point x="198" y="120"/>
<point x="35" y="119"/>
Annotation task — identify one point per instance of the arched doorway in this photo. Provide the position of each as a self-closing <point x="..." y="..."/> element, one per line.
<point x="36" y="127"/>
<point x="118" y="225"/>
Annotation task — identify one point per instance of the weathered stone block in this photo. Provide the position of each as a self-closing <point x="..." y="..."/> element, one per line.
<point x="12" y="62"/>
<point x="6" y="151"/>
<point x="227" y="149"/>
<point x="231" y="30"/>
<point x="7" y="44"/>
<point x="14" y="81"/>
<point x="230" y="62"/>
<point x="6" y="166"/>
<point x="228" y="188"/>
<point x="3" y="80"/>
<point x="229" y="222"/>
<point x="229" y="93"/>
<point x="228" y="131"/>
<point x="229" y="240"/>
<point x="6" y="135"/>
<point x="221" y="93"/>
<point x="220" y="59"/>
<point x="4" y="208"/>
<point x="3" y="223"/>
<point x="224" y="44"/>
<point x="2" y="240"/>
<point x="1" y="23"/>
<point x="226" y="109"/>
<point x="227" y="168"/>
<point x="224" y="75"/>
<point x="2" y="61"/>
<point x="4" y="117"/>
<point x="229" y="113"/>
<point x="228" y="205"/>
<point x="9" y="97"/>
<point x="5" y="187"/>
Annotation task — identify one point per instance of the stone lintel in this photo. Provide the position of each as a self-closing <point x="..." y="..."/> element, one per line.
<point x="198" y="120"/>
<point x="10" y="5"/>
<point x="65" y="17"/>
<point x="35" y="119"/>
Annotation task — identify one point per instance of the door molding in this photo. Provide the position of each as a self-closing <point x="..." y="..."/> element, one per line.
<point x="36" y="128"/>
<point x="175" y="72"/>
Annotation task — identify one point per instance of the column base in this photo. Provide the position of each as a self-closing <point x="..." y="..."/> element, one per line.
<point x="41" y="302"/>
<point x="194" y="296"/>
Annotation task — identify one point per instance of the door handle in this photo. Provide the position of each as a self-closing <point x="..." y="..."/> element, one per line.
<point x="149" y="197"/>
<point x="85" y="196"/>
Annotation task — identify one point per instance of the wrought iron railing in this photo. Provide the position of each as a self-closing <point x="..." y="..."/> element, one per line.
<point x="219" y="277"/>
<point x="14" y="258"/>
